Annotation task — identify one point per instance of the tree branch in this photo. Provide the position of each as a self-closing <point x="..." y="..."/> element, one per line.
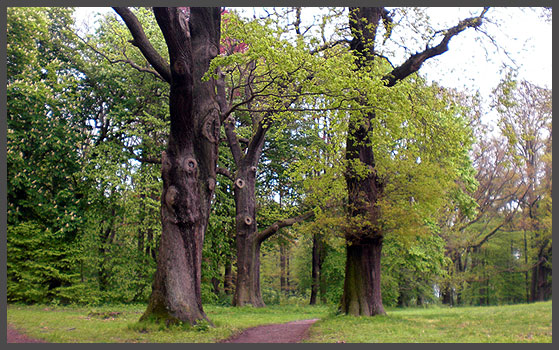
<point x="329" y="45"/>
<point x="506" y="220"/>
<point x="413" y="63"/>
<point x="127" y="60"/>
<point x="272" y="229"/>
<point x="257" y="141"/>
<point x="141" y="42"/>
<point x="225" y="172"/>
<point x="232" y="141"/>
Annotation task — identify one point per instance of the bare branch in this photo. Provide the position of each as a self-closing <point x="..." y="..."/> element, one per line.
<point x="413" y="63"/>
<point x="142" y="43"/>
<point x="225" y="172"/>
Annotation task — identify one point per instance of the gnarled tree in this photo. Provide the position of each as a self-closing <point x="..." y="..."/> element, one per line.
<point x="189" y="162"/>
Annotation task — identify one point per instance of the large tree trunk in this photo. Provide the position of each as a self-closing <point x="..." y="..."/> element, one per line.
<point x="188" y="165"/>
<point x="362" y="296"/>
<point x="247" y="289"/>
<point x="248" y="239"/>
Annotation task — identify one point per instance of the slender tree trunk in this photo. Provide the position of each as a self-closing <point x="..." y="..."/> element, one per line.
<point x="105" y="239"/>
<point x="228" y="279"/>
<point x="283" y="268"/>
<point x="526" y="275"/>
<point x="189" y="163"/>
<point x="287" y="273"/>
<point x="322" y="278"/>
<point x="215" y="285"/>
<point x="247" y="289"/>
<point x="141" y="231"/>
<point x="315" y="273"/>
<point x="447" y="296"/>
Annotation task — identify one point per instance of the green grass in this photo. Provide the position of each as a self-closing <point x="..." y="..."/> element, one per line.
<point x="530" y="323"/>
<point x="496" y="324"/>
<point x="95" y="324"/>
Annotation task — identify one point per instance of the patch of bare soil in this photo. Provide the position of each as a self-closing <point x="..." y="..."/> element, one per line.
<point x="291" y="332"/>
<point x="16" y="337"/>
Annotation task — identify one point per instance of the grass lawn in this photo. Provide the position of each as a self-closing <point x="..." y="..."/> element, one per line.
<point x="118" y="324"/>
<point x="490" y="324"/>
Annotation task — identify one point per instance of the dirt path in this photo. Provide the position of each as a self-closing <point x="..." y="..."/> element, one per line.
<point x="16" y="337"/>
<point x="291" y="332"/>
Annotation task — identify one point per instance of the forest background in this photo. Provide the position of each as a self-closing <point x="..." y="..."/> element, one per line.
<point x="87" y="122"/>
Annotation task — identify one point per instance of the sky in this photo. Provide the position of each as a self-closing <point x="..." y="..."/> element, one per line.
<point x="471" y="63"/>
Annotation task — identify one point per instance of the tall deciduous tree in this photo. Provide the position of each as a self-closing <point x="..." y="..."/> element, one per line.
<point x="189" y="163"/>
<point x="362" y="289"/>
<point x="525" y="120"/>
<point x="268" y="79"/>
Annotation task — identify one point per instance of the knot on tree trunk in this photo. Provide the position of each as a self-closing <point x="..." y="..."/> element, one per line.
<point x="240" y="183"/>
<point x="190" y="164"/>
<point x="211" y="183"/>
<point x="248" y="220"/>
<point x="171" y="196"/>
<point x="210" y="129"/>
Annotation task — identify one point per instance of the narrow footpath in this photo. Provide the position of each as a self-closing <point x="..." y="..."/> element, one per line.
<point x="291" y="332"/>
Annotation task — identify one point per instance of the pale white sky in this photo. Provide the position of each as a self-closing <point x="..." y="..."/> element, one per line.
<point x="471" y="64"/>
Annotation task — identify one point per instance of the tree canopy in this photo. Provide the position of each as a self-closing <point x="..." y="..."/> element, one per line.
<point x="183" y="156"/>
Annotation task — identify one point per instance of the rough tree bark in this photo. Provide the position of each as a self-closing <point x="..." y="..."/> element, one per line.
<point x="189" y="162"/>
<point x="364" y="236"/>
<point x="247" y="287"/>
<point x="228" y="279"/>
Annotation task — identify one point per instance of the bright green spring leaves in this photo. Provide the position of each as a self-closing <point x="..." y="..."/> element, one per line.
<point x="420" y="134"/>
<point x="45" y="192"/>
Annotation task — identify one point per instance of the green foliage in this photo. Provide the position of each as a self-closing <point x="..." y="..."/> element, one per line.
<point x="411" y="269"/>
<point x="497" y="274"/>
<point x="46" y="194"/>
<point x="86" y="128"/>
<point x="73" y="163"/>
